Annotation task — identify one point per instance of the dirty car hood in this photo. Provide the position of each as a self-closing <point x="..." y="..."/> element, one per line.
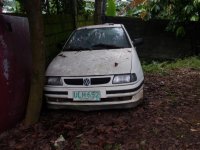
<point x="95" y="62"/>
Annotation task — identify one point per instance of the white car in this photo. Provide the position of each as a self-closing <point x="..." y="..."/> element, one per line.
<point x="98" y="68"/>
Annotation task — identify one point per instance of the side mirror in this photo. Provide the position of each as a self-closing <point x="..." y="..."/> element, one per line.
<point x="138" y="41"/>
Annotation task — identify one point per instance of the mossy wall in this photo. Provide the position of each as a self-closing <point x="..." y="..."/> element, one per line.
<point x="158" y="43"/>
<point x="85" y="21"/>
<point x="57" y="29"/>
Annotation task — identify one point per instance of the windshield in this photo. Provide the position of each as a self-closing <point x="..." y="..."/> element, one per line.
<point x="97" y="39"/>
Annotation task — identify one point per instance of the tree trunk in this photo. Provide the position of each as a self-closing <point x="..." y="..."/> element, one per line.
<point x="1" y="6"/>
<point x="33" y="9"/>
<point x="103" y="11"/>
<point x="57" y="7"/>
<point x="98" y="11"/>
<point x="47" y="5"/>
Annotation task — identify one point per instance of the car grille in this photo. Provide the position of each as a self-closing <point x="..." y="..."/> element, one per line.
<point x="94" y="81"/>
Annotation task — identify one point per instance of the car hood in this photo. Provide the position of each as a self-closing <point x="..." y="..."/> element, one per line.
<point x="94" y="62"/>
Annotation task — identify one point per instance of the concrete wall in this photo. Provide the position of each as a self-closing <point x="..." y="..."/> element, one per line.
<point x="158" y="43"/>
<point x="85" y="21"/>
<point x="57" y="30"/>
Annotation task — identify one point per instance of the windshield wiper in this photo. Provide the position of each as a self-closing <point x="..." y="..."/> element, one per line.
<point x="101" y="45"/>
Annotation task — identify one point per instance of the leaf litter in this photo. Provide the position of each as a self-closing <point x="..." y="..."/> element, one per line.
<point x="169" y="118"/>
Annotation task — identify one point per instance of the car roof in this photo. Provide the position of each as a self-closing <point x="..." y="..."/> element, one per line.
<point x="106" y="25"/>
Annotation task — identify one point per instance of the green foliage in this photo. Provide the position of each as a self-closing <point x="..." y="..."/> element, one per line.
<point x="85" y="8"/>
<point x="9" y="6"/>
<point x="121" y="7"/>
<point x="13" y="6"/>
<point x="111" y="8"/>
<point x="177" y="11"/>
<point x="53" y="6"/>
<point x="180" y="31"/>
<point x="154" y="67"/>
<point x="137" y="11"/>
<point x="18" y="7"/>
<point x="89" y="8"/>
<point x="163" y="67"/>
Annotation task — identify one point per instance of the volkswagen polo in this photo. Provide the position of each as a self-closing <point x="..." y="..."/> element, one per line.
<point x="97" y="68"/>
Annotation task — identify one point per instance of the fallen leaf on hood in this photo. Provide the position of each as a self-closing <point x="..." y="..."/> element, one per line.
<point x="116" y="64"/>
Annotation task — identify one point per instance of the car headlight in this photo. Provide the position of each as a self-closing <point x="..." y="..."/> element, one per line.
<point x="124" y="78"/>
<point x="54" y="81"/>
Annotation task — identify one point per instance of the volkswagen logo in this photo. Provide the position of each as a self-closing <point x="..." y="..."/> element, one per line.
<point x="86" y="82"/>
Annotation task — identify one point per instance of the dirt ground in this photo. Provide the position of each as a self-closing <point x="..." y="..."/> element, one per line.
<point x="169" y="119"/>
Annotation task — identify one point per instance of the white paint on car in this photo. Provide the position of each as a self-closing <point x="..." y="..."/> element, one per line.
<point x="97" y="62"/>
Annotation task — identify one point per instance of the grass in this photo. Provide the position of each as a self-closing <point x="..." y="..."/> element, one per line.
<point x="163" y="67"/>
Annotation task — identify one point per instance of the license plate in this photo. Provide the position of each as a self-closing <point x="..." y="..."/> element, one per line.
<point x="86" y="95"/>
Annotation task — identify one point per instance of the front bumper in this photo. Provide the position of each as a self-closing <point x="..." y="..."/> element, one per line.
<point x="88" y="106"/>
<point x="112" y="97"/>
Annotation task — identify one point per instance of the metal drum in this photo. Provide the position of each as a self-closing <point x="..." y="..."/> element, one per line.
<point x="15" y="69"/>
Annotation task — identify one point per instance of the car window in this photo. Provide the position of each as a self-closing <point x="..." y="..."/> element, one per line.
<point x="97" y="39"/>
